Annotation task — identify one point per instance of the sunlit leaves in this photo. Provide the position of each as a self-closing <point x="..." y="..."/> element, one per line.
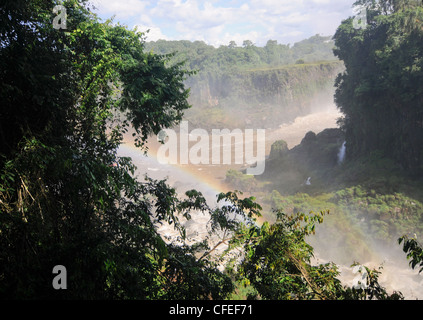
<point x="278" y="264"/>
<point x="414" y="251"/>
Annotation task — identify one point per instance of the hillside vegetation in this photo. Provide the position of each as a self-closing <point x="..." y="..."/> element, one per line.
<point x="256" y="87"/>
<point x="200" y="56"/>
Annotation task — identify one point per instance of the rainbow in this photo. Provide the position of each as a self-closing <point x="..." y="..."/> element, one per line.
<point x="181" y="177"/>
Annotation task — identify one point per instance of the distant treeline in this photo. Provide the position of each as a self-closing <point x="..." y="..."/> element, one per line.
<point x="203" y="57"/>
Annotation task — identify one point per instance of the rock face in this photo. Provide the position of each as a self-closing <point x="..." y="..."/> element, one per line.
<point x="319" y="151"/>
<point x="315" y="149"/>
<point x="315" y="157"/>
<point x="265" y="98"/>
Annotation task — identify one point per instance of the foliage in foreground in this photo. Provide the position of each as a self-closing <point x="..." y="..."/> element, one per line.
<point x="278" y="265"/>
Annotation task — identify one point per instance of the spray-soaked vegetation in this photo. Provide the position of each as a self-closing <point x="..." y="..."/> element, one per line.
<point x="381" y="87"/>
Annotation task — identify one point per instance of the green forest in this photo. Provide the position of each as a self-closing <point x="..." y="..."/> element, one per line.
<point x="67" y="199"/>
<point x="200" y="56"/>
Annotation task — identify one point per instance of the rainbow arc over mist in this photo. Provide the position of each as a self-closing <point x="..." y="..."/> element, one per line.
<point x="181" y="177"/>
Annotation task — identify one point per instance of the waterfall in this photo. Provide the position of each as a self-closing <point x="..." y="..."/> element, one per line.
<point x="341" y="153"/>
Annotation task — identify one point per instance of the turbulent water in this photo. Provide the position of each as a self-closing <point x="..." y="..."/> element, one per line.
<point x="395" y="275"/>
<point x="295" y="131"/>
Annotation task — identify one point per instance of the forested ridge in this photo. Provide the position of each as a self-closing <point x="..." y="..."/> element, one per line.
<point x="67" y="198"/>
<point x="204" y="57"/>
<point x="231" y="81"/>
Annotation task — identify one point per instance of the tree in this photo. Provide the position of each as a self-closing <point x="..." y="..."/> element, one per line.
<point x="278" y="265"/>
<point x="232" y="45"/>
<point x="191" y="271"/>
<point x="387" y="7"/>
<point x="66" y="198"/>
<point x="414" y="251"/>
<point x="273" y="54"/>
<point x="247" y="43"/>
<point x="378" y="92"/>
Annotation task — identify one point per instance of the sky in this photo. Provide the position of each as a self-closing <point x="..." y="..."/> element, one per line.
<point x="218" y="22"/>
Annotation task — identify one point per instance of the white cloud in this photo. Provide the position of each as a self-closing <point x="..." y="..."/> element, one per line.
<point x="218" y="22"/>
<point x="122" y="9"/>
<point x="153" y="34"/>
<point x="321" y="1"/>
<point x="237" y="37"/>
<point x="191" y="14"/>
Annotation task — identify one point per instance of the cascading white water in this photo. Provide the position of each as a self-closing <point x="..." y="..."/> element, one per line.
<point x="341" y="153"/>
